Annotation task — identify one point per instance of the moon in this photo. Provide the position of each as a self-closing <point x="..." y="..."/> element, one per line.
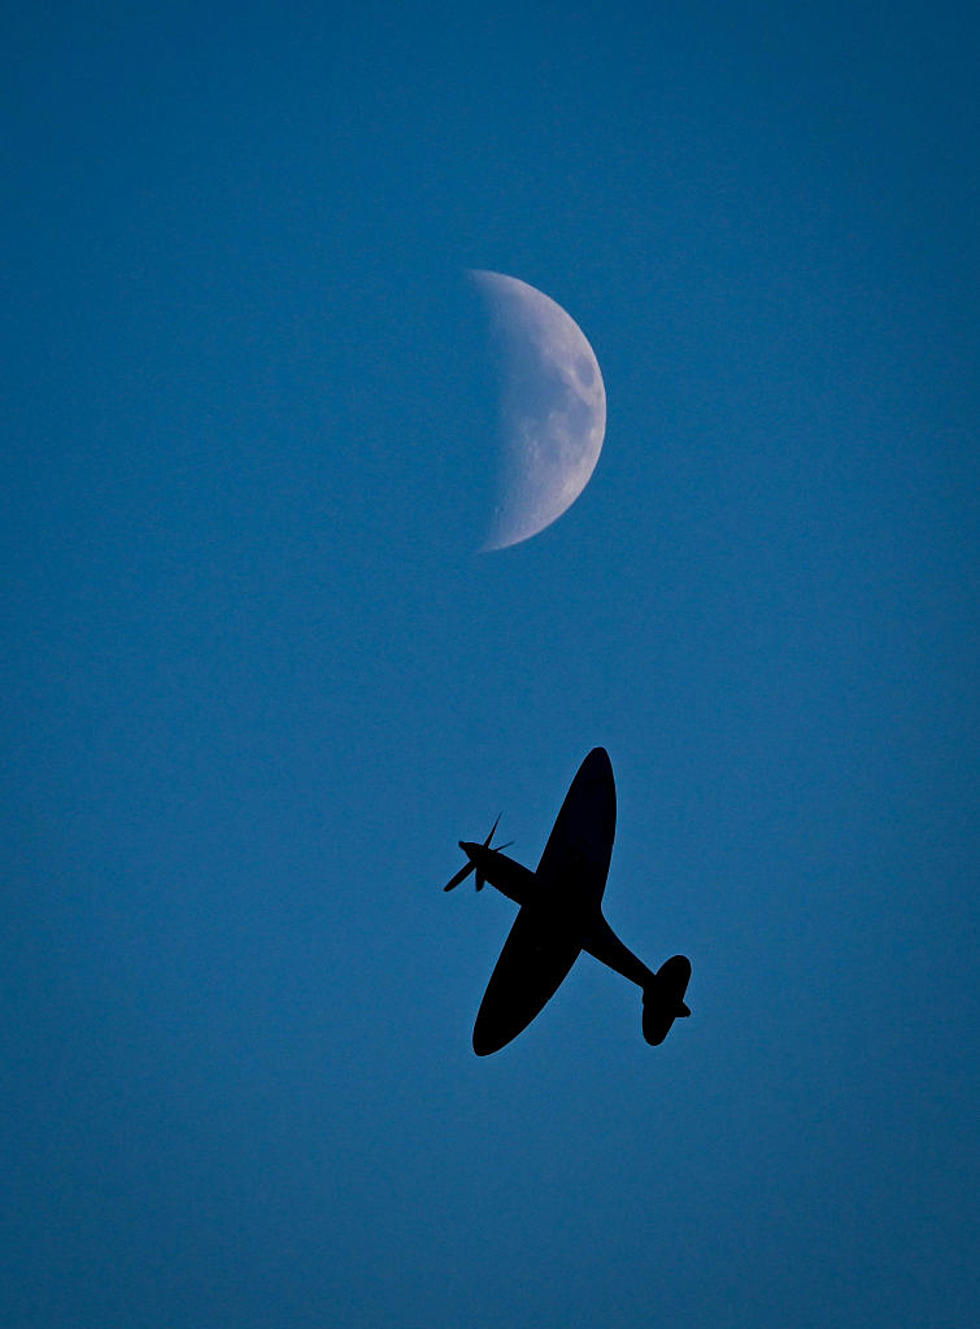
<point x="552" y="412"/>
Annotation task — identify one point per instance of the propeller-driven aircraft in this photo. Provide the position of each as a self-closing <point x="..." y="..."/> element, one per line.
<point x="561" y="915"/>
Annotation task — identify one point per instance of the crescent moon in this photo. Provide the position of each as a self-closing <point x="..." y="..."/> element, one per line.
<point x="553" y="408"/>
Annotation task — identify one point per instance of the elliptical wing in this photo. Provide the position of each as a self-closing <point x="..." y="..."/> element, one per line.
<point x="537" y="955"/>
<point x="576" y="858"/>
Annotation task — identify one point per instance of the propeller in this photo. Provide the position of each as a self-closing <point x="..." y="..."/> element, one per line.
<point x="464" y="872"/>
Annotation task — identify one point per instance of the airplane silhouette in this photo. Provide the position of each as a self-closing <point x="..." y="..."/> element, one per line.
<point x="561" y="915"/>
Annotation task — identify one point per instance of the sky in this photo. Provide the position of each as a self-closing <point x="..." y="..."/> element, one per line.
<point x="258" y="681"/>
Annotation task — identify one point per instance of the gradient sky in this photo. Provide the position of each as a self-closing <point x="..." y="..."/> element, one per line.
<point x="257" y="683"/>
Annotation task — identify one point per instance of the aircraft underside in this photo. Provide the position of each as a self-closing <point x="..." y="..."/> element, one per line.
<point x="561" y="915"/>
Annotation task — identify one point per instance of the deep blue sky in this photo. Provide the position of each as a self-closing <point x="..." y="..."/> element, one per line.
<point x="257" y="684"/>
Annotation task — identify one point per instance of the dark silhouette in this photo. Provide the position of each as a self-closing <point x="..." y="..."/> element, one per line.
<point x="561" y="915"/>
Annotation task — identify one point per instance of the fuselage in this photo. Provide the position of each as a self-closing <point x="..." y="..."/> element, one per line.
<point x="510" y="878"/>
<point x="579" y="912"/>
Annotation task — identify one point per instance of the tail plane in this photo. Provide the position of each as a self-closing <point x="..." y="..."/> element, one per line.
<point x="663" y="999"/>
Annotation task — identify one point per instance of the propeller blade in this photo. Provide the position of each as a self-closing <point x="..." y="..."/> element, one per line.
<point x="461" y="875"/>
<point x="464" y="872"/>
<point x="486" y="842"/>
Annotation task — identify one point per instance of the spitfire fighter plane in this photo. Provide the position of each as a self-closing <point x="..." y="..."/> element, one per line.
<point x="561" y="915"/>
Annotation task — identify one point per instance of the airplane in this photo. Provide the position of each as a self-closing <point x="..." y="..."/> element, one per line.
<point x="561" y="915"/>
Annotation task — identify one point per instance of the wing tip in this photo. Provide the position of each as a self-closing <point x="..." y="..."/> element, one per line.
<point x="485" y="1046"/>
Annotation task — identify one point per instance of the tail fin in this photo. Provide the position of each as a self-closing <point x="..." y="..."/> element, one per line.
<point x="663" y="999"/>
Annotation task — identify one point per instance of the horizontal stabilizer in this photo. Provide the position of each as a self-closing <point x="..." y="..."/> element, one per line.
<point x="663" y="999"/>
